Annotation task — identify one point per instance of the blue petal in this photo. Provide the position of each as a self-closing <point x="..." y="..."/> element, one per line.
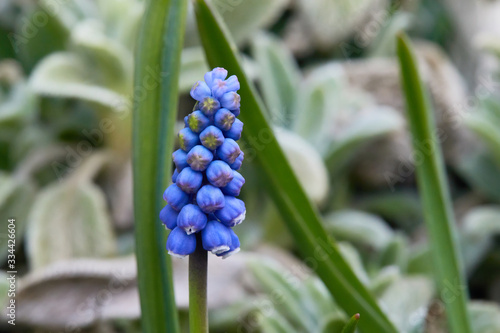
<point x="219" y="173"/>
<point x="180" y="159"/>
<point x="168" y="216"/>
<point x="200" y="90"/>
<point x="216" y="237"/>
<point x="239" y="161"/>
<point x="191" y="219"/>
<point x="233" y="212"/>
<point x="188" y="139"/>
<point x="211" y="137"/>
<point x="180" y="244"/>
<point x="230" y="100"/>
<point x="234" y="186"/>
<point x="210" y="198"/>
<point x="229" y="151"/>
<point x="197" y="121"/>
<point x="224" y="119"/>
<point x="209" y="106"/>
<point x="235" y="130"/>
<point x="174" y="175"/>
<point x="233" y="248"/>
<point x="175" y="197"/>
<point x="189" y="180"/>
<point x="216" y="73"/>
<point x="199" y="158"/>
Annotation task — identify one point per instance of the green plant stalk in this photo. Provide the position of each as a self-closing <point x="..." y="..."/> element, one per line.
<point x="153" y="119"/>
<point x="433" y="188"/>
<point x="350" y="327"/>
<point x="319" y="250"/>
<point x="198" y="314"/>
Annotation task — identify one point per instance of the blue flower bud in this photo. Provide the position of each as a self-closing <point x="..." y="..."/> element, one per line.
<point x="216" y="73"/>
<point x="216" y="237"/>
<point x="230" y="100"/>
<point x="229" y="151"/>
<point x="220" y="87"/>
<point x="180" y="159"/>
<point x="233" y="212"/>
<point x="199" y="158"/>
<point x="234" y="186"/>
<point x="186" y="121"/>
<point x="180" y="244"/>
<point x="211" y="137"/>
<point x="175" y="197"/>
<point x="224" y="119"/>
<point x="197" y="121"/>
<point x="209" y="106"/>
<point x="188" y="139"/>
<point x="189" y="180"/>
<point x="235" y="130"/>
<point x="168" y="216"/>
<point x="200" y="90"/>
<point x="210" y="199"/>
<point x="233" y="248"/>
<point x="219" y="173"/>
<point x="174" y="175"/>
<point x="239" y="161"/>
<point x="236" y="112"/>
<point x="191" y="219"/>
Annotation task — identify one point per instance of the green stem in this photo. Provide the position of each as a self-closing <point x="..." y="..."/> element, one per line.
<point x="198" y="314"/>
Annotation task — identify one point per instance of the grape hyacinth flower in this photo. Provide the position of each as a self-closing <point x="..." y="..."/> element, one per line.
<point x="201" y="203"/>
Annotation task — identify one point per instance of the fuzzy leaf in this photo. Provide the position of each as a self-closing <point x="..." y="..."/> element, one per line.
<point x="69" y="220"/>
<point x="16" y="198"/>
<point x="360" y="228"/>
<point x="306" y="163"/>
<point x="407" y="301"/>
<point x="279" y="77"/>
<point x="69" y="75"/>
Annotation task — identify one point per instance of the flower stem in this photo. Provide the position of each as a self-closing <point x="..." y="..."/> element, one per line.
<point x="198" y="315"/>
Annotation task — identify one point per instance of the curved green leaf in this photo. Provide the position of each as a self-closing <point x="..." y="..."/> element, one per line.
<point x="302" y="218"/>
<point x="433" y="187"/>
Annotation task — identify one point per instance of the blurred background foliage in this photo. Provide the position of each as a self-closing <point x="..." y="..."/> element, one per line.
<point x="327" y="73"/>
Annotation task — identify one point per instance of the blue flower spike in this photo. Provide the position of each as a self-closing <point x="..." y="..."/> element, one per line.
<point x="201" y="203"/>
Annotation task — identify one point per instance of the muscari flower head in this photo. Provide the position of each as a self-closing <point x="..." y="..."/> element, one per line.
<point x="201" y="203"/>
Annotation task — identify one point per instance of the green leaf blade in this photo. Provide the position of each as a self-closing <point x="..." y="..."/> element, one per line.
<point x="155" y="109"/>
<point x="433" y="188"/>
<point x="302" y="218"/>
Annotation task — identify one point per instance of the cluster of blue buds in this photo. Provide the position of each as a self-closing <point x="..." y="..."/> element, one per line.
<point x="202" y="199"/>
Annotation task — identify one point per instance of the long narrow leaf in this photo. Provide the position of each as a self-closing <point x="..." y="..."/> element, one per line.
<point x="303" y="221"/>
<point x="433" y="188"/>
<point x="155" y="105"/>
